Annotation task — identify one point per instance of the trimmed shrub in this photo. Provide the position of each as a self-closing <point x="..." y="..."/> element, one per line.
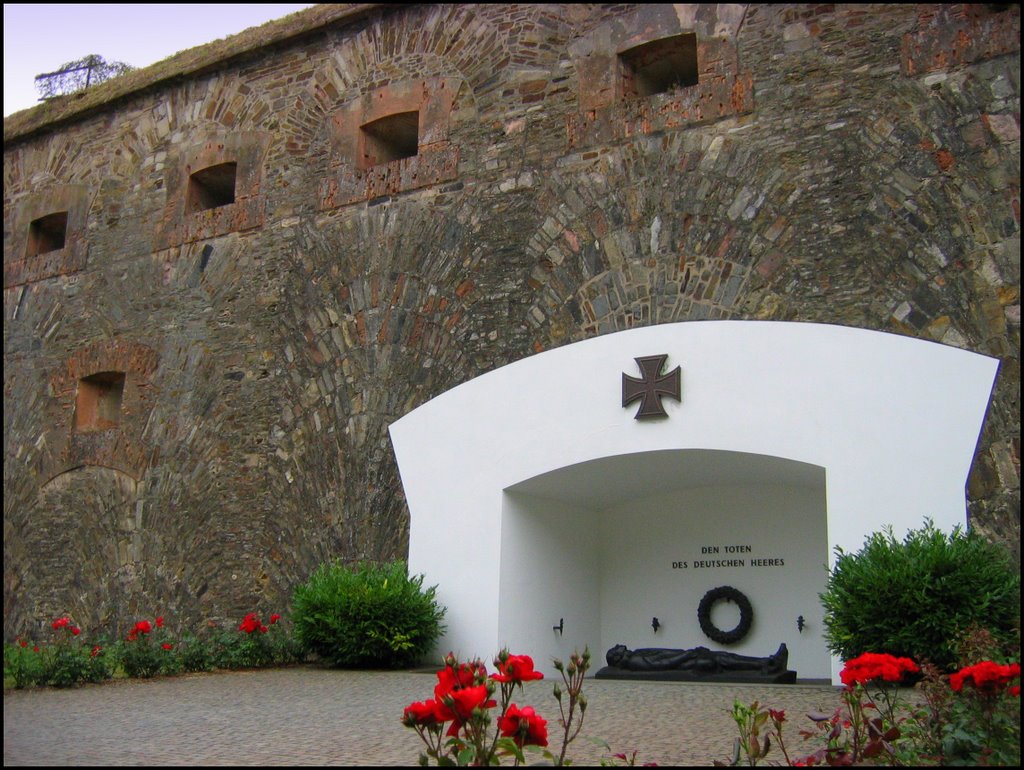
<point x="914" y="599"/>
<point x="370" y="616"/>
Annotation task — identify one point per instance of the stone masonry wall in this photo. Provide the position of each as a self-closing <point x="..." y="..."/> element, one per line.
<point x="847" y="164"/>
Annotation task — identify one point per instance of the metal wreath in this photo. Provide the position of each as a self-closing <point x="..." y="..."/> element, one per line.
<point x="730" y="594"/>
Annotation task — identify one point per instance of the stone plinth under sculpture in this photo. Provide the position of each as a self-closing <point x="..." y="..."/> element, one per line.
<point x="698" y="664"/>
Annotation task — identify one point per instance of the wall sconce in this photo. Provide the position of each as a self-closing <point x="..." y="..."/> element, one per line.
<point x="655" y="625"/>
<point x="800" y="623"/>
<point x="559" y="627"/>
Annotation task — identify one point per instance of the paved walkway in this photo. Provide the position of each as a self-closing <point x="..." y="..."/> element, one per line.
<point x="309" y="716"/>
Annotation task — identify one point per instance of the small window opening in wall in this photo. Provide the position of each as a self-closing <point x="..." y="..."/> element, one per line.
<point x="659" y="66"/>
<point x="47" y="233"/>
<point x="392" y="137"/>
<point x="98" y="406"/>
<point x="211" y="187"/>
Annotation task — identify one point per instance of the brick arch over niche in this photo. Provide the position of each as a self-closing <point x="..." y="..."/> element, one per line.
<point x="214" y="187"/>
<point x="106" y="395"/>
<point x="49" y="235"/>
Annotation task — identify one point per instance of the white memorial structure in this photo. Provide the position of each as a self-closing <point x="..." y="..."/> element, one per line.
<point x="551" y="517"/>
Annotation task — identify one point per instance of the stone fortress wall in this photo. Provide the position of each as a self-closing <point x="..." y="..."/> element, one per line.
<point x="227" y="274"/>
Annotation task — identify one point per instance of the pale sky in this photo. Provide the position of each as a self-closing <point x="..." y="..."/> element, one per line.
<point x="38" y="38"/>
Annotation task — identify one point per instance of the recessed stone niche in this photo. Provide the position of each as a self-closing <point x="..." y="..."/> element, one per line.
<point x="98" y="404"/>
<point x="390" y="138"/>
<point x="211" y="187"/>
<point x="659" y="66"/>
<point x="47" y="234"/>
<point x="214" y="187"/>
<point x="47" y="230"/>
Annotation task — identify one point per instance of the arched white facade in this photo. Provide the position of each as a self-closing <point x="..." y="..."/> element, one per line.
<point x="536" y="497"/>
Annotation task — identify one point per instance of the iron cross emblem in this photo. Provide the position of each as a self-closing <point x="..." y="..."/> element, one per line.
<point x="651" y="387"/>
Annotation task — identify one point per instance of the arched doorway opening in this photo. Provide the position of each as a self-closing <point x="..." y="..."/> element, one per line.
<point x="603" y="547"/>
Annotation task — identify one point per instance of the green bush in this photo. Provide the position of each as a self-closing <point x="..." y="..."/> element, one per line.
<point x="101" y="664"/>
<point x="235" y="650"/>
<point x="915" y="598"/>
<point x="285" y="649"/>
<point x="65" y="666"/>
<point x="371" y="616"/>
<point x="141" y="659"/>
<point x="194" y="654"/>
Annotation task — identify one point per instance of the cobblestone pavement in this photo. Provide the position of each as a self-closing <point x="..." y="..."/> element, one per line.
<point x="309" y="716"/>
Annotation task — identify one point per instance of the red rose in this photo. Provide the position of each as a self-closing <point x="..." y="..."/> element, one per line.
<point x="23" y="643"/>
<point x="75" y="630"/>
<point x="35" y="649"/>
<point x="274" y="618"/>
<point x="463" y="701"/>
<point x="524" y="726"/>
<point x="167" y="646"/>
<point x="450" y="678"/>
<point x="870" y="666"/>
<point x="516" y="669"/>
<point x="425" y="713"/>
<point x="143" y="627"/>
<point x="460" y="688"/>
<point x="95" y="651"/>
<point x="132" y="635"/>
<point x="460" y="704"/>
<point x="987" y="677"/>
<point x="160" y="622"/>
<point x="61" y="622"/>
<point x="250" y="623"/>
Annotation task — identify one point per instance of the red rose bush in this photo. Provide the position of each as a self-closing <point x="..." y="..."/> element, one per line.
<point x="456" y="724"/>
<point x="147" y="650"/>
<point x="67" y="661"/>
<point x="970" y="717"/>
